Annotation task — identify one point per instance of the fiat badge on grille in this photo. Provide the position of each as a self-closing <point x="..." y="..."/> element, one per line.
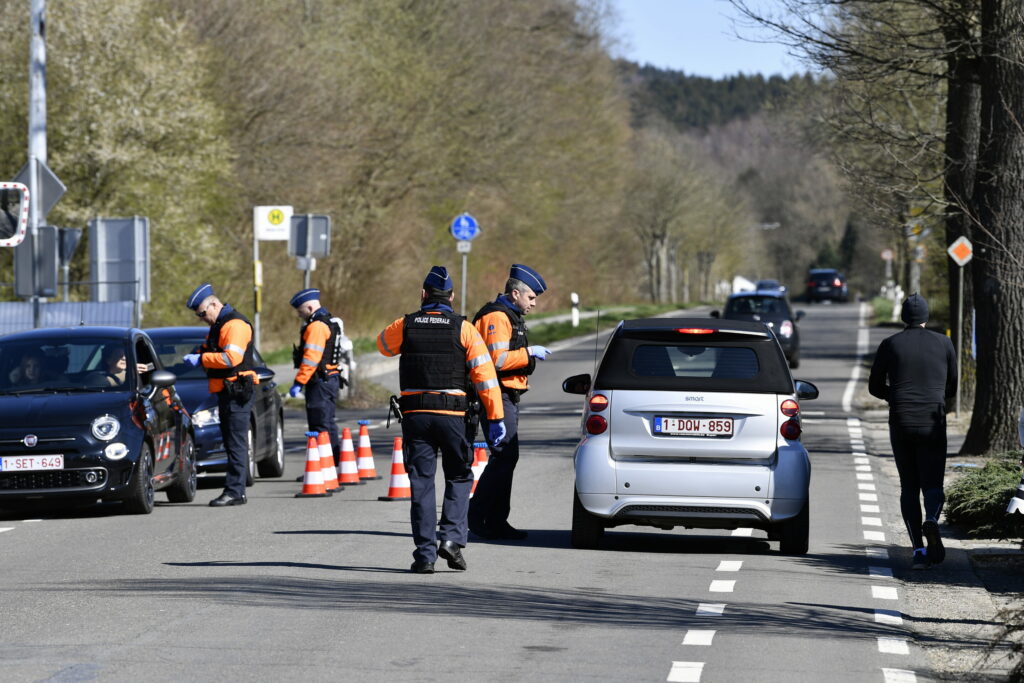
<point x="30" y="440"/>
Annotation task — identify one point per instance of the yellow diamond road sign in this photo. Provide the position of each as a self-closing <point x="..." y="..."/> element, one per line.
<point x="961" y="251"/>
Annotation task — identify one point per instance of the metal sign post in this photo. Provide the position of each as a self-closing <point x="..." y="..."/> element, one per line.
<point x="269" y="223"/>
<point x="465" y="229"/>
<point x="961" y="251"/>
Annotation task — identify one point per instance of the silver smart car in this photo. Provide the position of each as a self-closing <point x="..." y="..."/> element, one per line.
<point x="692" y="423"/>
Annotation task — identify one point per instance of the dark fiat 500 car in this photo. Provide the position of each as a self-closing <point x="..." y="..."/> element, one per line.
<point x="89" y="413"/>
<point x="773" y="309"/>
<point x="266" y="430"/>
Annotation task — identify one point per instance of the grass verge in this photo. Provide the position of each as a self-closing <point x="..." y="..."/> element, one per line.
<point x="977" y="501"/>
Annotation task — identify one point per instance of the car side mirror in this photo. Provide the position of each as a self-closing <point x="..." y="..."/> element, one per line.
<point x="805" y="390"/>
<point x="577" y="384"/>
<point x="162" y="378"/>
<point x="265" y="374"/>
<point x="800" y="314"/>
<point x="714" y="314"/>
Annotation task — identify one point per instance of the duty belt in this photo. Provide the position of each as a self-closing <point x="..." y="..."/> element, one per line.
<point x="433" y="402"/>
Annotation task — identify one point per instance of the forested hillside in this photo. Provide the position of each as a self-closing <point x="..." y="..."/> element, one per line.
<point x="619" y="182"/>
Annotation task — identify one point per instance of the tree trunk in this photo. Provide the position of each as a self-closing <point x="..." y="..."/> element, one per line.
<point x="999" y="207"/>
<point x="963" y="130"/>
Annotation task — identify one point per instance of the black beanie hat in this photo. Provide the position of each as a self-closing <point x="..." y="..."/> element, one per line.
<point x="915" y="310"/>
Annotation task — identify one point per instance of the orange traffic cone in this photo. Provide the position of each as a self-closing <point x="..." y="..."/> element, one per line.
<point x="479" y="463"/>
<point x="323" y="444"/>
<point x="313" y="482"/>
<point x="347" y="472"/>
<point x="399" y="488"/>
<point x="364" y="459"/>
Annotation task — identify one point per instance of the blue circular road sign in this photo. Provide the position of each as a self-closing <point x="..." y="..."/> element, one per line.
<point x="465" y="227"/>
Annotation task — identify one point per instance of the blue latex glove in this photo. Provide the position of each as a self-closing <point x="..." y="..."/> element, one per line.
<point x="496" y="432"/>
<point x="192" y="359"/>
<point x="295" y="390"/>
<point x="538" y="352"/>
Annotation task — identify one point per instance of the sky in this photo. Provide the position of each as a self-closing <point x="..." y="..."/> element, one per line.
<point x="695" y="36"/>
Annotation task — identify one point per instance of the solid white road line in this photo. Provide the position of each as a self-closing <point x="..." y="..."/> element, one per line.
<point x="884" y="593"/>
<point x="893" y="646"/>
<point x="862" y="348"/>
<point x="685" y="672"/>
<point x="710" y="609"/>
<point x="879" y="572"/>
<point x="6" y="528"/>
<point x="729" y="566"/>
<point x="871" y="497"/>
<point x="899" y="676"/>
<point x="874" y="535"/>
<point x="26" y="521"/>
<point x="720" y="586"/>
<point x="698" y="637"/>
<point x="743" y="531"/>
<point x="889" y="617"/>
<point x="871" y="521"/>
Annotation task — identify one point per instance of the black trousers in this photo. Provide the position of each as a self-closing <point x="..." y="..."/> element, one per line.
<point x="234" y="428"/>
<point x="321" y="404"/>
<point x="492" y="501"/>
<point x="423" y="435"/>
<point x="920" y="453"/>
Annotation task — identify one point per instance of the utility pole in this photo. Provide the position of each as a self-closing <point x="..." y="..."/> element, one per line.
<point x="36" y="137"/>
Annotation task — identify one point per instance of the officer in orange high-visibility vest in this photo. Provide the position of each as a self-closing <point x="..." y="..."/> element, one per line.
<point x="316" y="373"/>
<point x="500" y="323"/>
<point x="441" y="355"/>
<point x="227" y="358"/>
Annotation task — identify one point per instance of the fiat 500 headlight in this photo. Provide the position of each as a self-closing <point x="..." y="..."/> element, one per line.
<point x="205" y="418"/>
<point x="105" y="427"/>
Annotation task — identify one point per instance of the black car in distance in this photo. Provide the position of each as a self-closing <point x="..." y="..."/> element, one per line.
<point x="826" y="284"/>
<point x="773" y="309"/>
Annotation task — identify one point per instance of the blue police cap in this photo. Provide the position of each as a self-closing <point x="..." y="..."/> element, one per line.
<point x="529" y="277"/>
<point x="198" y="295"/>
<point x="438" y="278"/>
<point x="304" y="296"/>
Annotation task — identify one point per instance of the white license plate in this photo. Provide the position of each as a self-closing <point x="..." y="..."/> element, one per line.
<point x="28" y="463"/>
<point x="824" y="288"/>
<point x="694" y="426"/>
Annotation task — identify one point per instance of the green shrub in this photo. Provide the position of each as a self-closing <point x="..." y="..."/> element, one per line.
<point x="977" y="501"/>
<point x="883" y="309"/>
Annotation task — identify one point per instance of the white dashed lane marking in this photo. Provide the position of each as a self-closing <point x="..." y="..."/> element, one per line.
<point x="685" y="672"/>
<point x="884" y="593"/>
<point x="876" y="553"/>
<point x="899" y="676"/>
<point x="871" y="521"/>
<point x="880" y="572"/>
<point x="874" y="535"/>
<point x="865" y="476"/>
<point x="710" y="609"/>
<point x="729" y="566"/>
<point x="889" y="617"/>
<point x="722" y="586"/>
<point x="26" y="521"/>
<point x="864" y="486"/>
<point x="742" y="532"/>
<point x="698" y="637"/>
<point x="893" y="646"/>
<point x="6" y="528"/>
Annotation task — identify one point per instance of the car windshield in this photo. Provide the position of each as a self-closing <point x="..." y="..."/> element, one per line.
<point x="171" y="352"/>
<point x="755" y="304"/>
<point x="46" y="365"/>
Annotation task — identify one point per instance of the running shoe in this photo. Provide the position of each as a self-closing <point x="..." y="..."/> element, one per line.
<point x="936" y="553"/>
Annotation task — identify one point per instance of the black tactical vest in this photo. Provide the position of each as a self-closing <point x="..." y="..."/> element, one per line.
<point x="518" y="340"/>
<point x="213" y="344"/>
<point x="433" y="357"/>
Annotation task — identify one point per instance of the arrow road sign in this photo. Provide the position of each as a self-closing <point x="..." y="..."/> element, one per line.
<point x="465" y="227"/>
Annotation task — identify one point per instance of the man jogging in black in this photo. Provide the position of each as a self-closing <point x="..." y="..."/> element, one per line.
<point x="915" y="371"/>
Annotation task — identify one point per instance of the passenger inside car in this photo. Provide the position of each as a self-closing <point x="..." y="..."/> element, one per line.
<point x="29" y="370"/>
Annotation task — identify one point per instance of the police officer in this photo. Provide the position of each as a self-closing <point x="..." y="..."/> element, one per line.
<point x="503" y="329"/>
<point x="227" y="358"/>
<point x="316" y="372"/>
<point x="915" y="371"/>
<point x="441" y="354"/>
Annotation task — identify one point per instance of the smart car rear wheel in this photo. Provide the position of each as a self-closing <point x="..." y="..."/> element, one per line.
<point x="184" y="489"/>
<point x="140" y="490"/>
<point x="794" y="533"/>
<point x="273" y="464"/>
<point x="587" y="529"/>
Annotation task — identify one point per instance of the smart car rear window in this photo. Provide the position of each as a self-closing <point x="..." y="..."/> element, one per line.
<point x="658" y="364"/>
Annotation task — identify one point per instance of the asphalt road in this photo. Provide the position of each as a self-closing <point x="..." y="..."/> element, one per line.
<point x="319" y="589"/>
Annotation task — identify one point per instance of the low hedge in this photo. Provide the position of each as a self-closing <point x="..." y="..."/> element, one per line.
<point x="977" y="501"/>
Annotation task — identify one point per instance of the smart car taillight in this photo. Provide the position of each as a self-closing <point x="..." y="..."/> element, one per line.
<point x="598" y="402"/>
<point x="789" y="407"/>
<point x="790" y="430"/>
<point x="837" y="283"/>
<point x="596" y="424"/>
